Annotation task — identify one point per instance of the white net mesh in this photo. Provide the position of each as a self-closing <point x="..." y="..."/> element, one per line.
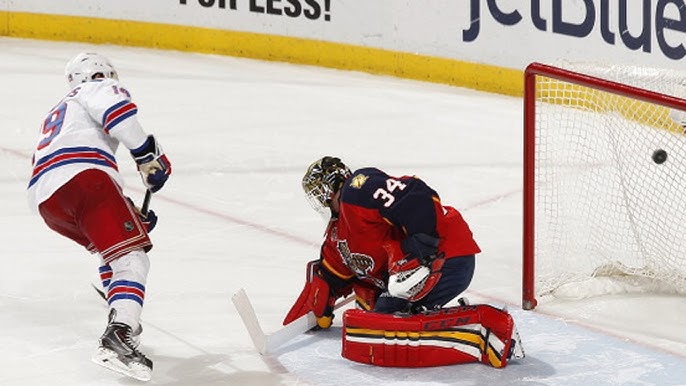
<point x="604" y="208"/>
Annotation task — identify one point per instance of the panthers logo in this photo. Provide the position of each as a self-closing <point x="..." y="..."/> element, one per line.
<point x="357" y="181"/>
<point x="362" y="265"/>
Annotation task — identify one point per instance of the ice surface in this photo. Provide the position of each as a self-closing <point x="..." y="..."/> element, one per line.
<point x="240" y="133"/>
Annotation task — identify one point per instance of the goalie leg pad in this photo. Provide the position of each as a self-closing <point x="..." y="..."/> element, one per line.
<point x="501" y="337"/>
<point x="444" y="337"/>
<point x="465" y="334"/>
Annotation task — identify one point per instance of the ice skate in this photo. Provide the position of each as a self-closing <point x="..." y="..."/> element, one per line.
<point x="118" y="352"/>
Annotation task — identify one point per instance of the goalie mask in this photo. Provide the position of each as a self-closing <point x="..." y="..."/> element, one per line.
<point x="322" y="180"/>
<point x="85" y="66"/>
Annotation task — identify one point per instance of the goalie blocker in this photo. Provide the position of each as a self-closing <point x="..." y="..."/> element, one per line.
<point x="465" y="334"/>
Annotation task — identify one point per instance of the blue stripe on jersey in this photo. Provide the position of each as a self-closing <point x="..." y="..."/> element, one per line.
<point x="111" y="110"/>
<point x="78" y="149"/>
<point x="71" y="155"/>
<point x="67" y="162"/>
<point x="118" y="113"/>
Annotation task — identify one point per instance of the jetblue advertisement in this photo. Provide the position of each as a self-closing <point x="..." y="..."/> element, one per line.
<point x="503" y="33"/>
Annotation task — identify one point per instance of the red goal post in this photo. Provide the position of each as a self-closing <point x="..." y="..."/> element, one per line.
<point x="565" y="93"/>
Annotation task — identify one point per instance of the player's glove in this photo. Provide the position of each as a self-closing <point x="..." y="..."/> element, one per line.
<point x="153" y="164"/>
<point x="148" y="219"/>
<point x="414" y="275"/>
<point x="319" y="295"/>
<point x="420" y="246"/>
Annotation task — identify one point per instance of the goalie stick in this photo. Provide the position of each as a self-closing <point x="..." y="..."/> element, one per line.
<point x="268" y="343"/>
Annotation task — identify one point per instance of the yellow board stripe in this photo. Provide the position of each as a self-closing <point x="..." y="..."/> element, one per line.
<point x="265" y="47"/>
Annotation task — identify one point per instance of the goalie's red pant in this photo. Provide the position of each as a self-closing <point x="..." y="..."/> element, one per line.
<point x="466" y="334"/>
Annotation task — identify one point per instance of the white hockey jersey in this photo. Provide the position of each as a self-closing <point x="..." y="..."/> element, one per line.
<point x="83" y="132"/>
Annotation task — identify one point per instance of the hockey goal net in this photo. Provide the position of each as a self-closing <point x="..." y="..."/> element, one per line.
<point x="603" y="212"/>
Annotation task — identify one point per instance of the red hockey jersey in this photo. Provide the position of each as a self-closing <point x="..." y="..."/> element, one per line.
<point x="377" y="212"/>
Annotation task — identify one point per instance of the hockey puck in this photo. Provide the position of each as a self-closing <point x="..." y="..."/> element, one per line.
<point x="659" y="156"/>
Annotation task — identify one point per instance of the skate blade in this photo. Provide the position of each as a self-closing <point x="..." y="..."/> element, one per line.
<point x="109" y="359"/>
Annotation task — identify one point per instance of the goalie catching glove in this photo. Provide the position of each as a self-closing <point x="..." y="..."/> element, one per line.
<point x="153" y="164"/>
<point x="414" y="275"/>
<point x="319" y="295"/>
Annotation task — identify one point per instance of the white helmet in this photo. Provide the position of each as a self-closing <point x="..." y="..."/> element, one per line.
<point x="83" y="68"/>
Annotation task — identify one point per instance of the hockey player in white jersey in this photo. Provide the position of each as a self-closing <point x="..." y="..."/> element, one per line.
<point x="77" y="189"/>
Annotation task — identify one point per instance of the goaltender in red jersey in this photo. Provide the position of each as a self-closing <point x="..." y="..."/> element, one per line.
<point x="404" y="255"/>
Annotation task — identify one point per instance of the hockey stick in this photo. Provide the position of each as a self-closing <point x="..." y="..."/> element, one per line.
<point x="146" y="202"/>
<point x="100" y="292"/>
<point x="264" y="343"/>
